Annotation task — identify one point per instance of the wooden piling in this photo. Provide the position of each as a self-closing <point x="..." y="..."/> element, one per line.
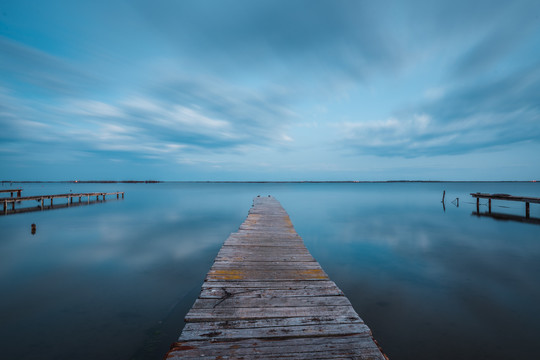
<point x="265" y="296"/>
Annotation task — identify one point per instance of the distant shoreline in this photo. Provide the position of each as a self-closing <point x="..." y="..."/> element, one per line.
<point x="261" y="182"/>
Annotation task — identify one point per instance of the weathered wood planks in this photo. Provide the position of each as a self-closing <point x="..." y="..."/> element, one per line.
<point x="266" y="297"/>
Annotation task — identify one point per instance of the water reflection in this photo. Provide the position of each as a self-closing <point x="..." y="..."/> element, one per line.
<point x="507" y="217"/>
<point x="130" y="271"/>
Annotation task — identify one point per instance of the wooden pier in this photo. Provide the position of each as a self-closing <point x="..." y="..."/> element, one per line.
<point x="41" y="199"/>
<point x="525" y="199"/>
<point x="18" y="191"/>
<point x="266" y="297"/>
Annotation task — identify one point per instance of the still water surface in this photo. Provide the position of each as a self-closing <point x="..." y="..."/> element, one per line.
<point x="114" y="280"/>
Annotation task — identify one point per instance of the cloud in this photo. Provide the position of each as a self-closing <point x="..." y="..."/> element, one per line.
<point x="494" y="113"/>
<point x="239" y="36"/>
<point x="21" y="65"/>
<point x="510" y="26"/>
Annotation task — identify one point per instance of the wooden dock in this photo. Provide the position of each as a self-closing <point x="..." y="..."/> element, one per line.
<point x="525" y="199"/>
<point x="41" y="199"/>
<point x="18" y="191"/>
<point x="266" y="297"/>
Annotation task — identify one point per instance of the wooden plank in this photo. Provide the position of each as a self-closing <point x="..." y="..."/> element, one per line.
<point x="267" y="323"/>
<point x="291" y="285"/>
<point x="194" y="332"/>
<point x="265" y="274"/>
<point x="222" y="292"/>
<point x="352" y="347"/>
<point x="223" y="314"/>
<point x="272" y="302"/>
<point x="265" y="296"/>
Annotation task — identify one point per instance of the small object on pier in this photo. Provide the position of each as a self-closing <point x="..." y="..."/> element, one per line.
<point x="33" y="229"/>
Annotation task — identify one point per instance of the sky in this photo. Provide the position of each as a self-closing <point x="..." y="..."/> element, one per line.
<point x="269" y="90"/>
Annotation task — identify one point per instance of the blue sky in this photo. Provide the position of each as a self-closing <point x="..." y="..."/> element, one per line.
<point x="269" y="90"/>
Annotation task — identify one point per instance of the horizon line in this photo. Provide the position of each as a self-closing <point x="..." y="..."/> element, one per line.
<point x="265" y="181"/>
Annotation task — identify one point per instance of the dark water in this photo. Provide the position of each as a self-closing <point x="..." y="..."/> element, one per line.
<point x="113" y="280"/>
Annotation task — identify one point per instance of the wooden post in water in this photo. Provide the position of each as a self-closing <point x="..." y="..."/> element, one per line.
<point x="477" y="205"/>
<point x="527" y="210"/>
<point x="489" y="202"/>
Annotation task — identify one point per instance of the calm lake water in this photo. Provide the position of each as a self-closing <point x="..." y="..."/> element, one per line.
<point x="114" y="280"/>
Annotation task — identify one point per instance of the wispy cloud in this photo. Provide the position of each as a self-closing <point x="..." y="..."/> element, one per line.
<point x="489" y="114"/>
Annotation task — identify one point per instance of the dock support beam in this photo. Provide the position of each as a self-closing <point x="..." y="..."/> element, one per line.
<point x="527" y="210"/>
<point x="489" y="202"/>
<point x="477" y="205"/>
